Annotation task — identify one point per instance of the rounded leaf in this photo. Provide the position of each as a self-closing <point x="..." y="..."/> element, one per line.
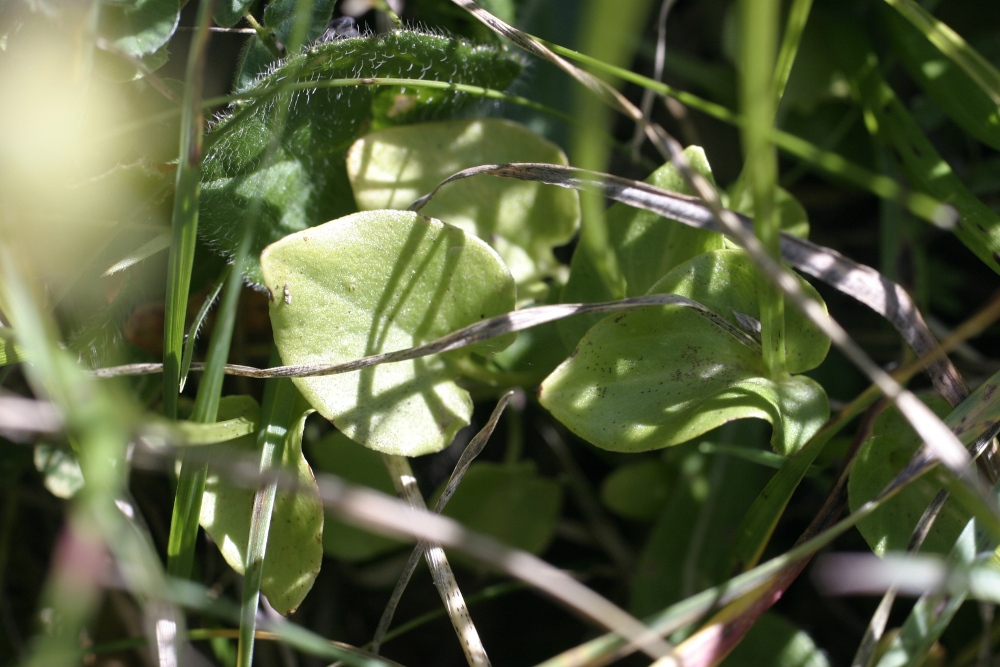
<point x="657" y="377"/>
<point x="647" y="245"/>
<point x="304" y="180"/>
<point x="380" y="281"/>
<point x="523" y="220"/>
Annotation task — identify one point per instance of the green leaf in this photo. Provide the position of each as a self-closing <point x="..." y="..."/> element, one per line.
<point x="647" y="247"/>
<point x="637" y="490"/>
<point x="775" y="641"/>
<point x="891" y="446"/>
<point x="661" y="376"/>
<point x="229" y="12"/>
<point x="944" y="81"/>
<point x="522" y="220"/>
<point x="294" y="543"/>
<point x="139" y="27"/>
<point x="339" y="455"/>
<point x="279" y="16"/>
<point x="379" y="281"/>
<point x="306" y="182"/>
<point x="509" y="502"/>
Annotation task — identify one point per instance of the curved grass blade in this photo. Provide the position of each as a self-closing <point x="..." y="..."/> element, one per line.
<point x="953" y="46"/>
<point x="493" y="327"/>
<point x="977" y="226"/>
<point x="856" y="280"/>
<point x="920" y="204"/>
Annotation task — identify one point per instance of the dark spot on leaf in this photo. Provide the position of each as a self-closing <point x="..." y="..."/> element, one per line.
<point x="988" y="392"/>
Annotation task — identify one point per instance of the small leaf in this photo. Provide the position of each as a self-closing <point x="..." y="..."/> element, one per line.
<point x="522" y="220"/>
<point x="509" y="502"/>
<point x="139" y="27"/>
<point x="661" y="376"/>
<point x="881" y="458"/>
<point x="338" y="454"/>
<point x="637" y="490"/>
<point x="648" y="247"/>
<point x="294" y="544"/>
<point x="374" y="282"/>
<point x="306" y="182"/>
<point x="229" y="12"/>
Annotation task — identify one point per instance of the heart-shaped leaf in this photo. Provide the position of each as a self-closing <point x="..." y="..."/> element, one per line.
<point x="647" y="247"/>
<point x="881" y="458"/>
<point x="379" y="281"/>
<point x="522" y="220"/>
<point x="661" y="376"/>
<point x="304" y="183"/>
<point x="294" y="543"/>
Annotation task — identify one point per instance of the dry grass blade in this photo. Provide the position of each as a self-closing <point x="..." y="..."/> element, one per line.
<point x="471" y="451"/>
<point x="858" y="281"/>
<point x="376" y="511"/>
<point x="493" y="327"/>
<point x="936" y="436"/>
<point x="444" y="579"/>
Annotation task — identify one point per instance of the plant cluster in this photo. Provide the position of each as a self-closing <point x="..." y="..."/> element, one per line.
<point x="394" y="260"/>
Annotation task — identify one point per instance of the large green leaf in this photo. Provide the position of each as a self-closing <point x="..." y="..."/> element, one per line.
<point x="522" y="220"/>
<point x="339" y="455"/>
<point x="379" y="281"/>
<point x="294" y="542"/>
<point x="889" y="449"/>
<point x="661" y="376"/>
<point x="647" y="247"/>
<point x="305" y="182"/>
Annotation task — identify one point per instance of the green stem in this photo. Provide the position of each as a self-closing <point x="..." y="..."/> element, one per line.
<point x="798" y="14"/>
<point x="185" y="213"/>
<point x="920" y="204"/>
<point x="277" y="413"/>
<point x="191" y="481"/>
<point x="759" y="28"/>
